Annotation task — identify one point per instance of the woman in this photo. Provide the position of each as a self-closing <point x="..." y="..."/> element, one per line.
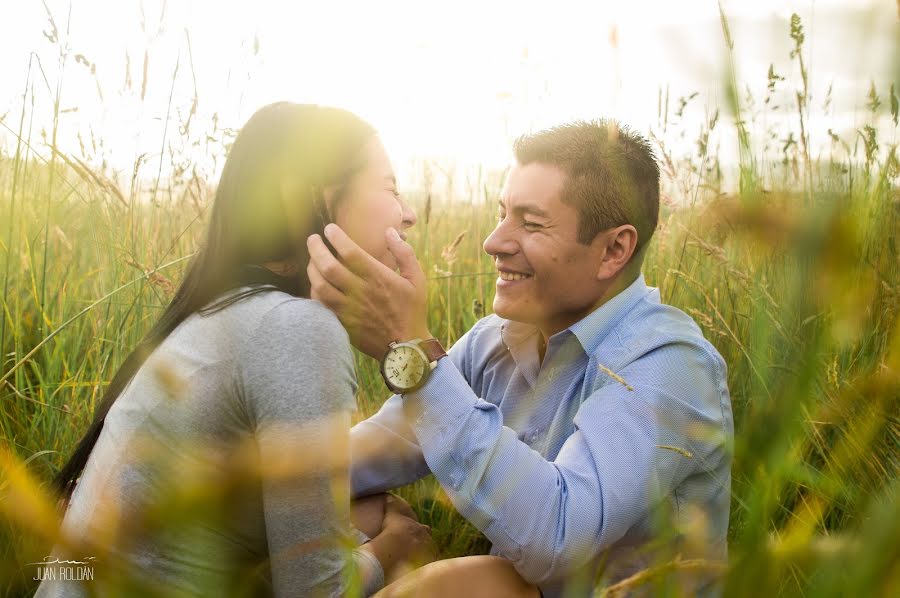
<point x="216" y="463"/>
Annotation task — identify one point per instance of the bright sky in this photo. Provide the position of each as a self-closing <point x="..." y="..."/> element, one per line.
<point x="456" y="80"/>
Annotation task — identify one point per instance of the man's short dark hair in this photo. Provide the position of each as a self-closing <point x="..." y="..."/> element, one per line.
<point x="612" y="175"/>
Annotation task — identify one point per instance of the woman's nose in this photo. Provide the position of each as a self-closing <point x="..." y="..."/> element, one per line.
<point x="409" y="215"/>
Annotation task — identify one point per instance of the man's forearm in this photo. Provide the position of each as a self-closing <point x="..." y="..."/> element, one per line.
<point x="383" y="452"/>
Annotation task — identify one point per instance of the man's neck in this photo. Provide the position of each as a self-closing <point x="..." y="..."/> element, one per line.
<point x="617" y="285"/>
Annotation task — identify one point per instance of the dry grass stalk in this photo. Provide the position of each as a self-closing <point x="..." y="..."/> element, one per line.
<point x="448" y="254"/>
<point x="154" y="277"/>
<point x="640" y="578"/>
<point x="615" y="376"/>
<point x="89" y="176"/>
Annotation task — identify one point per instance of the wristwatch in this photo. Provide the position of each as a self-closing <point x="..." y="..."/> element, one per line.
<point x="406" y="365"/>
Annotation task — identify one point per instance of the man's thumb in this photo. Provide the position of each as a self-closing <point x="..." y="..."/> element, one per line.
<point x="406" y="258"/>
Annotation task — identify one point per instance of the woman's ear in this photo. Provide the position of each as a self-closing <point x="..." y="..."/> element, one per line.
<point x="294" y="213"/>
<point x="329" y="197"/>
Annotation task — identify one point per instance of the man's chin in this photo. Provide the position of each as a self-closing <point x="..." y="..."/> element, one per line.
<point x="509" y="312"/>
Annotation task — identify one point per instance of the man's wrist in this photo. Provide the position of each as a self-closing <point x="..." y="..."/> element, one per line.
<point x="407" y="363"/>
<point x="409" y="335"/>
<point x="423" y="334"/>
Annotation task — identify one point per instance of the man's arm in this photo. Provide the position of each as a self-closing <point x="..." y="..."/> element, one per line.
<point x="384" y="450"/>
<point x="550" y="518"/>
<point x="630" y="449"/>
<point x="382" y="454"/>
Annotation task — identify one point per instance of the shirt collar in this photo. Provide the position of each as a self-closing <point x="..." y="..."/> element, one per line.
<point x="520" y="338"/>
<point x="521" y="341"/>
<point x="593" y="328"/>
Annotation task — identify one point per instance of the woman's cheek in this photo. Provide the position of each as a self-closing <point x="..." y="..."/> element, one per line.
<point x="391" y="212"/>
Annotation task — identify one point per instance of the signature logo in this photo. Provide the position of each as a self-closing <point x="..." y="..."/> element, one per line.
<point x="53" y="569"/>
<point x="51" y="560"/>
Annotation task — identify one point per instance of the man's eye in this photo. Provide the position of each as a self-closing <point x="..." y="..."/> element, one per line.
<point x="395" y="192"/>
<point x="532" y="225"/>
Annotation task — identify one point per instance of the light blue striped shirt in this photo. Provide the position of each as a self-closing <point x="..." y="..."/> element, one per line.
<point x="569" y="466"/>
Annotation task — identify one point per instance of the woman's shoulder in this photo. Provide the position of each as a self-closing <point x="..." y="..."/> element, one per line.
<point x="270" y="306"/>
<point x="274" y="317"/>
<point x="306" y="314"/>
<point x="295" y="359"/>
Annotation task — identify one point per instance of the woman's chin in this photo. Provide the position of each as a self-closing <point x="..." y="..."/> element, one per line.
<point x="382" y="254"/>
<point x="390" y="261"/>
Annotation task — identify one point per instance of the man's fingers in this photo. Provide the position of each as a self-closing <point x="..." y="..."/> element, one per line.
<point x="407" y="263"/>
<point x="328" y="266"/>
<point x="323" y="291"/>
<point x="354" y="257"/>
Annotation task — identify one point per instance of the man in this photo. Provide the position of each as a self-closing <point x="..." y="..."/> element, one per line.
<point x="585" y="428"/>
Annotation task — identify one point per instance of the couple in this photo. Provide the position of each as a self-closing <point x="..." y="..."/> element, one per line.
<point x="585" y="428"/>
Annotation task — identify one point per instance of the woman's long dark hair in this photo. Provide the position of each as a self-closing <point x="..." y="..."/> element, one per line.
<point x="270" y="198"/>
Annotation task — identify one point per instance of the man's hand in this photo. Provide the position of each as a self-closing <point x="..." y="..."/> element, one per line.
<point x="375" y="304"/>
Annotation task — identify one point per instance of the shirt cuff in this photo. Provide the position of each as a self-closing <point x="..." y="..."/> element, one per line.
<point x="444" y="398"/>
<point x="371" y="573"/>
<point x="360" y="536"/>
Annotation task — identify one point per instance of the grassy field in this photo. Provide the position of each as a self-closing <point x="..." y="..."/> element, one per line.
<point x="795" y="278"/>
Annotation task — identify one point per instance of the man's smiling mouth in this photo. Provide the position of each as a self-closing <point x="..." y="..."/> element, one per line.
<point x="511" y="275"/>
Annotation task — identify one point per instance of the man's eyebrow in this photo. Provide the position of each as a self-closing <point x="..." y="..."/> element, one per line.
<point x="527" y="208"/>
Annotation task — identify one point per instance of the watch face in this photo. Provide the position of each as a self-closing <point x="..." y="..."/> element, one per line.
<point x="404" y="367"/>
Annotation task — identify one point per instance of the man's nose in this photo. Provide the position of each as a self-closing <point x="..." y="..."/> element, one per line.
<point x="501" y="240"/>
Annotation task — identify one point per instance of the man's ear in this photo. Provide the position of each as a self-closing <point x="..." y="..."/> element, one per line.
<point x="617" y="246"/>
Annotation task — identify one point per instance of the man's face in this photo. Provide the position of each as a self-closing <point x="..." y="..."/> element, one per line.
<point x="547" y="278"/>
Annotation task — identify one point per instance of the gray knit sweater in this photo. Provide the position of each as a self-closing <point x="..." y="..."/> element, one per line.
<point x="266" y="383"/>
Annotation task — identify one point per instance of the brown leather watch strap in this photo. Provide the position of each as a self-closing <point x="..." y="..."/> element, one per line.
<point x="433" y="349"/>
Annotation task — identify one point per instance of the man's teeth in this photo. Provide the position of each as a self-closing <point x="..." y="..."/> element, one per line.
<point x="511" y="276"/>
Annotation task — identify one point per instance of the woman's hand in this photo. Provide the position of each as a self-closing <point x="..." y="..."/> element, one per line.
<point x="367" y="514"/>
<point x="403" y="544"/>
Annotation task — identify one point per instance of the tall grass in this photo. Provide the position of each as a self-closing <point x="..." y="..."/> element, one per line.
<point x="795" y="279"/>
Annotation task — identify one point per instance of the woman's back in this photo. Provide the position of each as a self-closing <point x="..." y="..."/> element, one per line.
<point x="173" y="483"/>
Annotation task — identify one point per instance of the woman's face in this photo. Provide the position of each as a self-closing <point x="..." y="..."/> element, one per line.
<point x="371" y="205"/>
